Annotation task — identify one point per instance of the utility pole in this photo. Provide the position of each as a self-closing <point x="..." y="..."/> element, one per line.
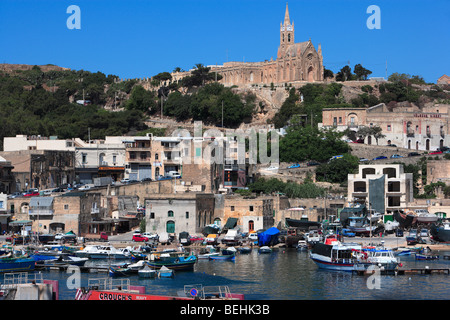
<point x="222" y="114"/>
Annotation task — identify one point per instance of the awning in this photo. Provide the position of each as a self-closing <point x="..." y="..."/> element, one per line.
<point x="20" y="222"/>
<point x="41" y="202"/>
<point x="231" y="223"/>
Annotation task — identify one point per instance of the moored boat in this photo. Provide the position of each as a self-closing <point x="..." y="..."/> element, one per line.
<point x="440" y="232"/>
<point x="265" y="249"/>
<point x="334" y="255"/>
<point x="165" y="272"/>
<point x="15" y="264"/>
<point x="178" y="263"/>
<point x="119" y="271"/>
<point x="120" y="289"/>
<point x="102" y="252"/>
<point x="245" y="250"/>
<point x="424" y="256"/>
<point x="147" y="272"/>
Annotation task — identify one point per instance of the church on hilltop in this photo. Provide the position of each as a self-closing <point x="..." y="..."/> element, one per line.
<point x="295" y="62"/>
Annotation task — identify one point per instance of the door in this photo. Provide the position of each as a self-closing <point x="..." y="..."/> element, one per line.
<point x="251" y="226"/>
<point x="170" y="226"/>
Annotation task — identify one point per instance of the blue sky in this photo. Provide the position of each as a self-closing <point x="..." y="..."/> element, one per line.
<point x="140" y="38"/>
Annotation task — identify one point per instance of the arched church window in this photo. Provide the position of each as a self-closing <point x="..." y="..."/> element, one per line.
<point x="289" y="37"/>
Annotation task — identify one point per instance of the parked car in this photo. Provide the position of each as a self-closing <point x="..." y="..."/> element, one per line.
<point x="253" y="236"/>
<point x="293" y="166"/>
<point x="391" y="145"/>
<point x="125" y="181"/>
<point x="398" y="232"/>
<point x="396" y="156"/>
<point x="271" y="168"/>
<point x="164" y="178"/>
<point x="85" y="187"/>
<point x="146" y="179"/>
<point x="31" y="194"/>
<point x="312" y="163"/>
<point x="413" y="154"/>
<point x="423" y="233"/>
<point x="436" y="152"/>
<point x="347" y="233"/>
<point x="443" y="149"/>
<point x="15" y="195"/>
<point x="380" y="158"/>
<point x="137" y="237"/>
<point x="358" y="141"/>
<point x="363" y="159"/>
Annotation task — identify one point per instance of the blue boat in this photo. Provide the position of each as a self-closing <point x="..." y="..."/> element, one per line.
<point x="119" y="271"/>
<point x="15" y="264"/>
<point x="165" y="272"/>
<point x="230" y="257"/>
<point x="175" y="263"/>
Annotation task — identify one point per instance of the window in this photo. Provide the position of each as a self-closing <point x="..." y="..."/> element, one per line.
<point x="152" y="215"/>
<point x="66" y="207"/>
<point x="170" y="213"/>
<point x="156" y="156"/>
<point x="83" y="158"/>
<point x="232" y="208"/>
<point x="251" y="208"/>
<point x="187" y="214"/>
<point x="388" y="127"/>
<point x="340" y="119"/>
<point x="1" y="205"/>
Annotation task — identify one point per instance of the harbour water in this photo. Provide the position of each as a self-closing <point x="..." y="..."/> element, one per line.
<point x="286" y="274"/>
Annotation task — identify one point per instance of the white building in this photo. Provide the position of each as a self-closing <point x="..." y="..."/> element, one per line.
<point x="383" y="187"/>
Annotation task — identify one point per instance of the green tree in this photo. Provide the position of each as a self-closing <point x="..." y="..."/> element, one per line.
<point x="141" y="99"/>
<point x="337" y="170"/>
<point x="361" y="72"/>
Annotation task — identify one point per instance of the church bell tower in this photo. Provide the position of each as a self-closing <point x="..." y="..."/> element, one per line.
<point x="286" y="30"/>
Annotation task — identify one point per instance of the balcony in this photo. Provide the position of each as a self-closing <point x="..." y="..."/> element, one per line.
<point x="40" y="212"/>
<point x="410" y="133"/>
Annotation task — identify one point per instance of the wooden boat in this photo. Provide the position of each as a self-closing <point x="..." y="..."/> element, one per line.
<point x="208" y="251"/>
<point x="165" y="272"/>
<point x="14" y="264"/>
<point x="265" y="249"/>
<point x="245" y="250"/>
<point x="230" y="257"/>
<point x="229" y="250"/>
<point x="179" y="263"/>
<point x="147" y="272"/>
<point x="421" y="256"/>
<point x="302" y="245"/>
<point x="119" y="271"/>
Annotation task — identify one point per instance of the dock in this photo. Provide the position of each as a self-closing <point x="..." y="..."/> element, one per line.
<point x="401" y="272"/>
<point x="64" y="267"/>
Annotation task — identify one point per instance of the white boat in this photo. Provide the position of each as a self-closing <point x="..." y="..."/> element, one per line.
<point x="424" y="216"/>
<point x="265" y="249"/>
<point x="302" y="245"/>
<point x="102" y="252"/>
<point x="374" y="216"/>
<point x="313" y="237"/>
<point x="211" y="251"/>
<point x="335" y="255"/>
<point x="147" y="272"/>
<point x="390" y="226"/>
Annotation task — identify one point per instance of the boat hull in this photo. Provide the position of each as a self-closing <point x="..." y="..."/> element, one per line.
<point x="230" y="257"/>
<point x="186" y="265"/>
<point x="335" y="266"/>
<point x="19" y="264"/>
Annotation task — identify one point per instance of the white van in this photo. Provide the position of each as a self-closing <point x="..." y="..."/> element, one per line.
<point x="173" y="174"/>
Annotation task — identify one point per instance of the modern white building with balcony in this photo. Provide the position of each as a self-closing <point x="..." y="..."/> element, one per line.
<point x="383" y="187"/>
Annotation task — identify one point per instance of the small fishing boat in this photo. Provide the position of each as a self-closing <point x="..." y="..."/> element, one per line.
<point x="207" y="252"/>
<point x="335" y="255"/>
<point x="147" y="272"/>
<point x="15" y="264"/>
<point x="424" y="216"/>
<point x="229" y="250"/>
<point x="265" y="249"/>
<point x="119" y="271"/>
<point x="245" y="250"/>
<point x="176" y="263"/>
<point x="422" y="256"/>
<point x="165" y="272"/>
<point x="230" y="257"/>
<point x="302" y="245"/>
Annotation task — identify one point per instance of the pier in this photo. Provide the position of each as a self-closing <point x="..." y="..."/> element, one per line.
<point x="64" y="267"/>
<point x="401" y="272"/>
